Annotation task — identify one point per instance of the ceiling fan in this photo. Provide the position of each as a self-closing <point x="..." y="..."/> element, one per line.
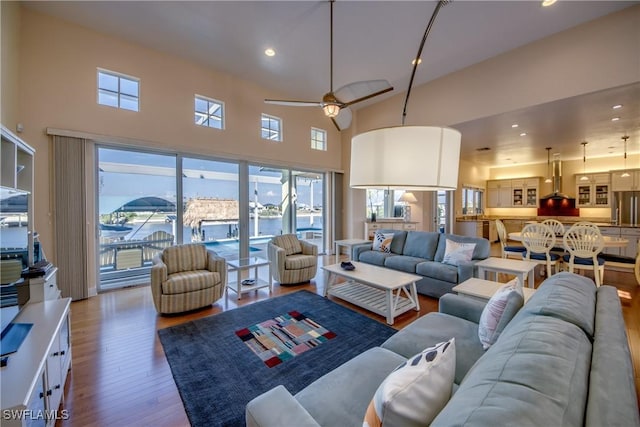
<point x="336" y="104"/>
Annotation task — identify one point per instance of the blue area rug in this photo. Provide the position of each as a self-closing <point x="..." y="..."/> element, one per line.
<point x="217" y="374"/>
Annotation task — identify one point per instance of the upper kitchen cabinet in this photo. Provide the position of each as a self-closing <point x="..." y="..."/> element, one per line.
<point x="594" y="191"/>
<point x="625" y="183"/>
<point x="513" y="193"/>
<point x="499" y="193"/>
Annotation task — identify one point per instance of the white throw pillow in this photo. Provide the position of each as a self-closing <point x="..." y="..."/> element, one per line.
<point x="416" y="391"/>
<point x="499" y="311"/>
<point x="382" y="241"/>
<point x="456" y="252"/>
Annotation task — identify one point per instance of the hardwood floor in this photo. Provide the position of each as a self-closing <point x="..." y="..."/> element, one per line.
<point x="120" y="375"/>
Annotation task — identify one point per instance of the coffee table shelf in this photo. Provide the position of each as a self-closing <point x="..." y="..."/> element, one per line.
<point x="247" y="264"/>
<point x="372" y="299"/>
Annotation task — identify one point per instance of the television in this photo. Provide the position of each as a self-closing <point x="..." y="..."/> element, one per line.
<point x="13" y="298"/>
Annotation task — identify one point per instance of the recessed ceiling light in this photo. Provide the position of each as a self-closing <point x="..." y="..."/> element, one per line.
<point x="615" y="119"/>
<point x="523" y="134"/>
<point x="414" y="61"/>
<point x="546" y="3"/>
<point x="515" y="125"/>
<point x="508" y="159"/>
<point x="270" y="52"/>
<point x="615" y="107"/>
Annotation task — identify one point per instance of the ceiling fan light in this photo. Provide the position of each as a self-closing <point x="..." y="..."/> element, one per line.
<point x="331" y="110"/>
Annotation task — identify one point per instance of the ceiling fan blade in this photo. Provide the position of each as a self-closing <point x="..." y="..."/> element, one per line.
<point x="343" y="120"/>
<point x="359" y="91"/>
<point x="293" y="103"/>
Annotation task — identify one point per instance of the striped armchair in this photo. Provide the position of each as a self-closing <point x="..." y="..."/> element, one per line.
<point x="186" y="277"/>
<point x="292" y="260"/>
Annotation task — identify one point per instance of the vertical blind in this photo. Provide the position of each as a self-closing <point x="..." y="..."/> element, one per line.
<point x="70" y="215"/>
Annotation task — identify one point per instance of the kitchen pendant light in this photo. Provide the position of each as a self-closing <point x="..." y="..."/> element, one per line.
<point x="548" y="180"/>
<point x="625" y="174"/>
<point x="584" y="161"/>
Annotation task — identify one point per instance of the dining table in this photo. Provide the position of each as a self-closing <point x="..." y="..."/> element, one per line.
<point x="609" y="241"/>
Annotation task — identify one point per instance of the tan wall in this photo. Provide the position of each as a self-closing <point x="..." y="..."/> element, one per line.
<point x="594" y="56"/>
<point x="9" y="63"/>
<point x="58" y="64"/>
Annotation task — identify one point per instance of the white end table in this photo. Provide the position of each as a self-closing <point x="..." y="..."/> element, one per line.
<point x="349" y="244"/>
<point x="483" y="290"/>
<point x="239" y="265"/>
<point x="520" y="268"/>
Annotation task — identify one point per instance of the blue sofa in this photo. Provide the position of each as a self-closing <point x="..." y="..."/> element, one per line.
<point x="422" y="252"/>
<point x="563" y="360"/>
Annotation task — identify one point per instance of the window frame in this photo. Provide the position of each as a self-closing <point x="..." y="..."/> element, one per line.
<point x="118" y="94"/>
<point x="209" y="101"/>
<point x="316" y="144"/>
<point x="472" y="200"/>
<point x="269" y="129"/>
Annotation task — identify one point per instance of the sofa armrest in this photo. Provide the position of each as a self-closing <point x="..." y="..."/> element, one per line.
<point x="309" y="248"/>
<point x="217" y="264"/>
<point x="277" y="407"/>
<point x="466" y="270"/>
<point x="356" y="250"/>
<point x="159" y="275"/>
<point x="462" y="307"/>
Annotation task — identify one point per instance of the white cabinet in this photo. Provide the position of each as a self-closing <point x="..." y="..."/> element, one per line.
<point x="513" y="193"/>
<point x="371" y="227"/>
<point x="594" y="191"/>
<point x="499" y="194"/>
<point x="45" y="287"/>
<point x="631" y="234"/>
<point x="627" y="183"/>
<point x="33" y="381"/>
<point x="525" y="192"/>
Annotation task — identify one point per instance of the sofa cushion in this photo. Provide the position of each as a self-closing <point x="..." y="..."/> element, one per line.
<point x="456" y="253"/>
<point x="299" y="261"/>
<point x="375" y="257"/>
<point x="403" y="263"/>
<point x="416" y="391"/>
<point x="536" y="374"/>
<point x="382" y="241"/>
<point x="499" y="311"/>
<point x="190" y="281"/>
<point x="438" y="270"/>
<point x="566" y="296"/>
<point x="433" y="328"/>
<point x="340" y="397"/>
<point x="421" y="244"/>
<point x="192" y="256"/>
<point x="481" y="251"/>
<point x="288" y="242"/>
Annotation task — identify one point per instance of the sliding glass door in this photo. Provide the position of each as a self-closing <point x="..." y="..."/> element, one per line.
<point x="308" y="193"/>
<point x="136" y="203"/>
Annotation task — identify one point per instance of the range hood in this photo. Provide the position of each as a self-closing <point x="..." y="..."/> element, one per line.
<point x="557" y="203"/>
<point x="557" y="193"/>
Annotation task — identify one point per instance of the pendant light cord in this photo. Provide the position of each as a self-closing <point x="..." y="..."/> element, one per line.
<point x="417" y="58"/>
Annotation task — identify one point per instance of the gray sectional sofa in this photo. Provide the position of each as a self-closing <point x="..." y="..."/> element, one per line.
<point x="422" y="252"/>
<point x="563" y="360"/>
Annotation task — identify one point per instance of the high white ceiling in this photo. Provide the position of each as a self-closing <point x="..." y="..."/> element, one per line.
<point x="374" y="40"/>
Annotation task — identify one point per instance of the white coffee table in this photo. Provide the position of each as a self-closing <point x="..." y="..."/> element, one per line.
<point x="242" y="264"/>
<point x="520" y="268"/>
<point x="349" y="244"/>
<point x="483" y="290"/>
<point x="381" y="290"/>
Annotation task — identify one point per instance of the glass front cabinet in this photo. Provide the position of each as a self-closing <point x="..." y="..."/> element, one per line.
<point x="593" y="190"/>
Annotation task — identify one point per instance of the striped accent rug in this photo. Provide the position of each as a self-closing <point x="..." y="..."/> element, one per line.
<point x="284" y="337"/>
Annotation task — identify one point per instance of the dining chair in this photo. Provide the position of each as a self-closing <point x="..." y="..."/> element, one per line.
<point x="558" y="230"/>
<point x="507" y="249"/>
<point x="539" y="240"/>
<point x="584" y="243"/>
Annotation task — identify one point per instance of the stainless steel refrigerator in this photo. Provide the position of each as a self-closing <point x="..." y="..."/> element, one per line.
<point x="625" y="208"/>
